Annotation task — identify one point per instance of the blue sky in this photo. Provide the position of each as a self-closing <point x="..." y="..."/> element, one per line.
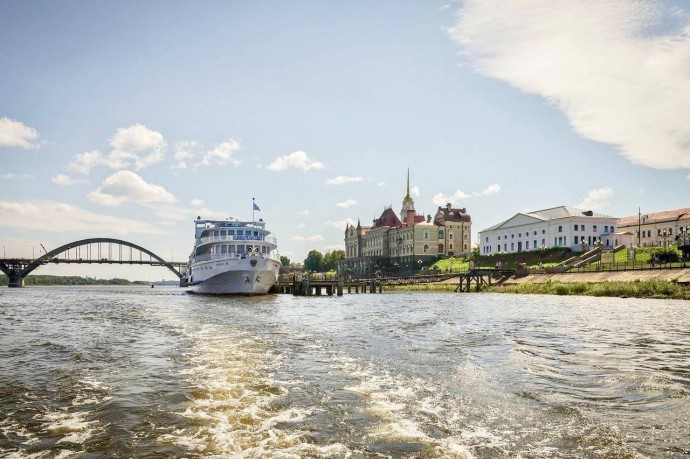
<point x="129" y="119"/>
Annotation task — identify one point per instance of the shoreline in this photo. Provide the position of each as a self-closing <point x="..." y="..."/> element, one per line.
<point x="648" y="288"/>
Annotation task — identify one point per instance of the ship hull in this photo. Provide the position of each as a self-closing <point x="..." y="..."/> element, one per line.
<point x="248" y="276"/>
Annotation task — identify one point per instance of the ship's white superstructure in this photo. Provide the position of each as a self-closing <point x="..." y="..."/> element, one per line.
<point x="232" y="257"/>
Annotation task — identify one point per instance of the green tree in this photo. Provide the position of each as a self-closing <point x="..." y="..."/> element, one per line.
<point x="314" y="261"/>
<point x="330" y="259"/>
<point x="285" y="261"/>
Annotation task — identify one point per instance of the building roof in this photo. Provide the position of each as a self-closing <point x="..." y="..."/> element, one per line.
<point x="663" y="216"/>
<point x="387" y="218"/>
<point x="553" y="213"/>
<point x="449" y="214"/>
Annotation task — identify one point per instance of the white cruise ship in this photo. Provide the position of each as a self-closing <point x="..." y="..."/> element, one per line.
<point x="232" y="257"/>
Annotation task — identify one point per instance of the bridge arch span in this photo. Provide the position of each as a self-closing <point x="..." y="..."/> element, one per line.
<point x="45" y="258"/>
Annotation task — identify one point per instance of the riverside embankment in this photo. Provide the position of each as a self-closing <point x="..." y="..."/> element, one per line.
<point x="657" y="283"/>
<point x="681" y="276"/>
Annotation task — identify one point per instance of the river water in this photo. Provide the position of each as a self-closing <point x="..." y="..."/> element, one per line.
<point x="139" y="372"/>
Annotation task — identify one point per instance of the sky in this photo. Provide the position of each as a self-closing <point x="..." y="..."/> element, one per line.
<point x="130" y="119"/>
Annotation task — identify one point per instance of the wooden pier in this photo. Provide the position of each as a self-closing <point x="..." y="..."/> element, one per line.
<point x="477" y="276"/>
<point x="319" y="285"/>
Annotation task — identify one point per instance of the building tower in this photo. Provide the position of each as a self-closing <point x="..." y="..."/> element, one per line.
<point x="407" y="213"/>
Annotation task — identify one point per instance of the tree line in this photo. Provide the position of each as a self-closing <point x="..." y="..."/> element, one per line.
<point x="71" y="280"/>
<point x="317" y="261"/>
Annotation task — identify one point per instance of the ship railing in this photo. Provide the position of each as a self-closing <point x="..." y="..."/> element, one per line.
<point x="227" y="238"/>
<point x="226" y="256"/>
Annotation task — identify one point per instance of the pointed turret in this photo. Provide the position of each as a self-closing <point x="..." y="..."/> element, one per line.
<point x="407" y="213"/>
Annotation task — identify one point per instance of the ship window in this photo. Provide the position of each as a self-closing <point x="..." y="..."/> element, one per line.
<point x="231" y="248"/>
<point x="256" y="234"/>
<point x="231" y="232"/>
<point x="240" y="232"/>
<point x="223" y="249"/>
<point x="240" y="248"/>
<point x="216" y="233"/>
<point x="263" y="249"/>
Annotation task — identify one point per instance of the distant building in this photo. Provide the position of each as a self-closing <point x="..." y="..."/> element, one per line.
<point x="402" y="244"/>
<point x="562" y="226"/>
<point x="655" y="229"/>
<point x="454" y="232"/>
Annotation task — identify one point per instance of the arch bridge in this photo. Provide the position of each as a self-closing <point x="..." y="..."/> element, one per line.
<point x="94" y="250"/>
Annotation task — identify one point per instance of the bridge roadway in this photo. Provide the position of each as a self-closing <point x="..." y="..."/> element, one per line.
<point x="95" y="250"/>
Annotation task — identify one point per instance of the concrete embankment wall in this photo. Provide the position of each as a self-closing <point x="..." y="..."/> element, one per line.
<point x="679" y="275"/>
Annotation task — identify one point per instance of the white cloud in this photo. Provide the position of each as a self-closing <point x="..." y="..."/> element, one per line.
<point x="340" y="224"/>
<point x="298" y="160"/>
<point x="212" y="214"/>
<point x="131" y="144"/>
<point x="67" y="218"/>
<point x="304" y="212"/>
<point x="301" y="226"/>
<point x="602" y="63"/>
<point x="312" y="238"/>
<point x="17" y="134"/>
<point x="341" y="179"/>
<point x="9" y="176"/>
<point x="84" y="162"/>
<point x="222" y="154"/>
<point x="441" y="199"/>
<point x="381" y="184"/>
<point x="596" y="199"/>
<point x="183" y="151"/>
<point x="415" y="191"/>
<point x="126" y="186"/>
<point x="197" y="202"/>
<point x="346" y="204"/>
<point x="491" y="190"/>
<point x="64" y="180"/>
<point x="331" y="248"/>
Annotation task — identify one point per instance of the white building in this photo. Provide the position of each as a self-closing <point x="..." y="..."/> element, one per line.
<point x="562" y="226"/>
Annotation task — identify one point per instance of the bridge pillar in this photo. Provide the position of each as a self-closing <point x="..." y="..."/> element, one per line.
<point x="15" y="280"/>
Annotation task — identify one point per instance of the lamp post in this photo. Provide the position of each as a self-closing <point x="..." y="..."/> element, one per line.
<point x="664" y="234"/>
<point x="583" y="244"/>
<point x="451" y="264"/>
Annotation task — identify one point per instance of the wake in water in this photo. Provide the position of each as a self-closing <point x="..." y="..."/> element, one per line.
<point x="133" y="373"/>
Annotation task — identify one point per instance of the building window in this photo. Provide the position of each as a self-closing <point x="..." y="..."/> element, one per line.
<point x="576" y="227"/>
<point x="594" y="228"/>
<point x="512" y="246"/>
<point x="527" y="245"/>
<point x="543" y="232"/>
<point x="426" y="235"/>
<point x="560" y="229"/>
<point x="450" y="236"/>
<point x="440" y="234"/>
<point x="426" y="248"/>
<point x="486" y="239"/>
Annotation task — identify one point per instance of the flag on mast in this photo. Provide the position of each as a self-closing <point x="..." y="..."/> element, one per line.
<point x="255" y="206"/>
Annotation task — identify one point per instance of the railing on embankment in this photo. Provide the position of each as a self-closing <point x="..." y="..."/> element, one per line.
<point x="318" y="284"/>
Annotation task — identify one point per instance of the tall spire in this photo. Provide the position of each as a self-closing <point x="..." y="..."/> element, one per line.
<point x="408" y="202"/>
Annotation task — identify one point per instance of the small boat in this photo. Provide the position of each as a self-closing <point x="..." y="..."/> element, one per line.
<point x="232" y="257"/>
